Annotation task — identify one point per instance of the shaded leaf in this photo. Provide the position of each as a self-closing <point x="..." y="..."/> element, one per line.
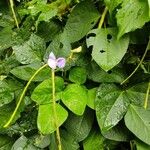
<point x="81" y="19"/>
<point x="25" y="72"/>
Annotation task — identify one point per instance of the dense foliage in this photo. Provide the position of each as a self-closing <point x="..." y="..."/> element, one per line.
<point x="102" y="94"/>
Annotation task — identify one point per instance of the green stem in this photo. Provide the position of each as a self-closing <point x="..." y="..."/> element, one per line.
<point x="13" y="12"/>
<point x="102" y="18"/>
<point x="22" y="95"/>
<point x="146" y="97"/>
<point x="54" y="111"/>
<point x="137" y="65"/>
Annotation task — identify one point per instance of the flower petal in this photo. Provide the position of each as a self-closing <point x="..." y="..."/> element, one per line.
<point x="52" y="63"/>
<point x="52" y="56"/>
<point x="61" y="62"/>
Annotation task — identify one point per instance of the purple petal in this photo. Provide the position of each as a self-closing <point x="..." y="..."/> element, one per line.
<point x="52" y="56"/>
<point x="61" y="62"/>
<point x="52" y="63"/>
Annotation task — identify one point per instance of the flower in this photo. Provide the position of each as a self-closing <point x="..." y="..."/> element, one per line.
<point x="53" y="62"/>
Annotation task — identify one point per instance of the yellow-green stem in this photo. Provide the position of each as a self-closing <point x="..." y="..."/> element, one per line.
<point x="22" y="95"/>
<point x="54" y="111"/>
<point x="13" y="12"/>
<point x="102" y="18"/>
<point x="147" y="96"/>
<point x="137" y="65"/>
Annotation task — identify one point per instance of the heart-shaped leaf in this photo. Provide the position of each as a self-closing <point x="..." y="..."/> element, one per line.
<point x="137" y="121"/>
<point x="46" y="120"/>
<point x="107" y="50"/>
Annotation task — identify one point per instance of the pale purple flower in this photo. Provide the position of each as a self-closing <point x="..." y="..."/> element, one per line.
<point x="53" y="62"/>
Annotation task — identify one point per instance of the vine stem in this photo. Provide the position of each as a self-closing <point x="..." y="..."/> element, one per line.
<point x="54" y="111"/>
<point x="137" y="65"/>
<point x="102" y="18"/>
<point x="146" y="97"/>
<point x="13" y="12"/>
<point x="22" y="95"/>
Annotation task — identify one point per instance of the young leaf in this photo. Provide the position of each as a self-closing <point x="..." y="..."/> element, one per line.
<point x="107" y="50"/>
<point x="81" y="19"/>
<point x="137" y="121"/>
<point x="75" y="98"/>
<point x="111" y="105"/>
<point x="46" y="120"/>
<point x="42" y="94"/>
<point x="141" y="145"/>
<point x="78" y="75"/>
<point x="31" y="51"/>
<point x="133" y="14"/>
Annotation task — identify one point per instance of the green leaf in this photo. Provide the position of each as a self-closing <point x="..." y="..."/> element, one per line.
<point x="141" y="145"/>
<point x="46" y="121"/>
<point x="75" y="98"/>
<point x="6" y="142"/>
<point x="117" y="133"/>
<point x="95" y="141"/>
<point x="111" y="105"/>
<point x="149" y="7"/>
<point x="80" y="126"/>
<point x="25" y="72"/>
<point x="6" y="94"/>
<point x="112" y="4"/>
<point x="23" y="143"/>
<point x="107" y="50"/>
<point x="96" y="74"/>
<point x="81" y="19"/>
<point x="42" y="94"/>
<point x="31" y="51"/>
<point x="78" y="75"/>
<point x="137" y="119"/>
<point x="133" y="14"/>
<point x="91" y="98"/>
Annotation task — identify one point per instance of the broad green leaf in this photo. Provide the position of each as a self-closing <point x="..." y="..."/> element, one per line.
<point x="46" y="122"/>
<point x="137" y="121"/>
<point x="111" y="105"/>
<point x="107" y="50"/>
<point x="79" y="126"/>
<point x="82" y="18"/>
<point x="78" y="75"/>
<point x="133" y="14"/>
<point x="91" y="98"/>
<point x="112" y="4"/>
<point x="6" y="142"/>
<point x="149" y="7"/>
<point x="25" y="72"/>
<point x="42" y="94"/>
<point x="6" y="94"/>
<point x="68" y="141"/>
<point x="137" y="93"/>
<point x="23" y="144"/>
<point x="141" y="145"/>
<point x="96" y="74"/>
<point x="95" y="141"/>
<point x="30" y="51"/>
<point x="117" y="133"/>
<point x="75" y="98"/>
